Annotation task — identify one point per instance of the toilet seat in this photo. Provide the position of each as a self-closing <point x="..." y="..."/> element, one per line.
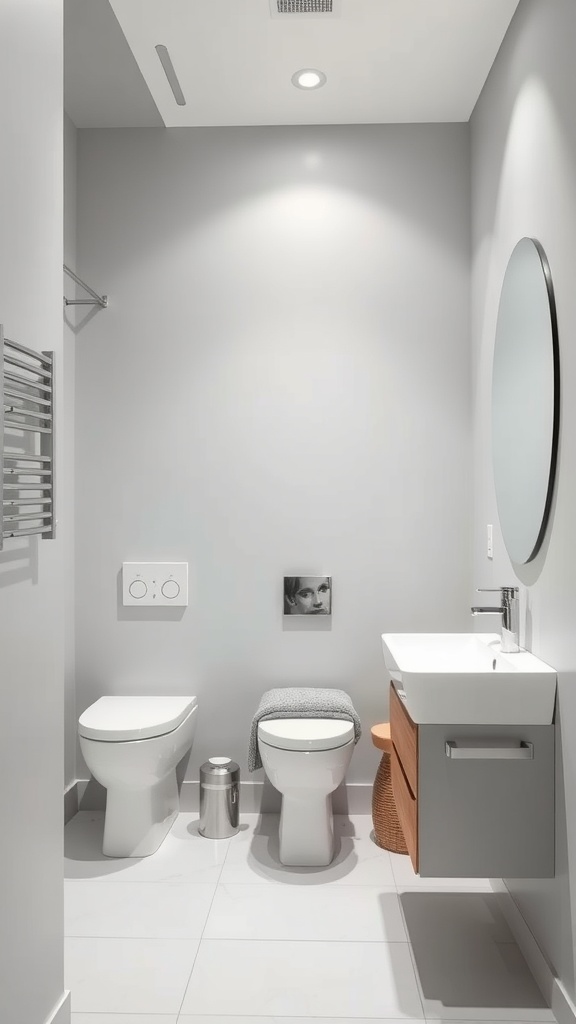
<point x="114" y="719"/>
<point x="306" y="733"/>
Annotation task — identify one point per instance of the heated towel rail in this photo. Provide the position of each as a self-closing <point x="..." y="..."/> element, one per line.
<point x="26" y="442"/>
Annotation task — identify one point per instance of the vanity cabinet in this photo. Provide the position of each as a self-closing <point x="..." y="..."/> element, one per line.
<point x="474" y="800"/>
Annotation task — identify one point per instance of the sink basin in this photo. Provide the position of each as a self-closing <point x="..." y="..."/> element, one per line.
<point x="464" y="678"/>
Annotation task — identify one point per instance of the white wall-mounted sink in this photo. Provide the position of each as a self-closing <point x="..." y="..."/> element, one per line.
<point x="464" y="678"/>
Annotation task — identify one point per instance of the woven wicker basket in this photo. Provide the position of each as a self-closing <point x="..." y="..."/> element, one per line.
<point x="387" y="829"/>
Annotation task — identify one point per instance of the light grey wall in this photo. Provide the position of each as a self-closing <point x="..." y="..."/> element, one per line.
<point x="523" y="173"/>
<point x="66" y="488"/>
<point x="280" y="385"/>
<point x="31" y="571"/>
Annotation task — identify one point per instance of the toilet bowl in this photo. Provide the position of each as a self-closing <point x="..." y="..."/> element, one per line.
<point x="306" y="759"/>
<point x="132" y="746"/>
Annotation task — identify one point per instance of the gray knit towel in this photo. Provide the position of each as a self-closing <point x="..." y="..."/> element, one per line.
<point x="300" y="702"/>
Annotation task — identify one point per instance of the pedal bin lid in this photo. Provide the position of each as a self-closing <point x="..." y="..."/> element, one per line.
<point x="219" y="773"/>
<point x="112" y="719"/>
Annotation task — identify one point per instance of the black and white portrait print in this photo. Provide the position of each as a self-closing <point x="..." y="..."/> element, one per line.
<point x="307" y="595"/>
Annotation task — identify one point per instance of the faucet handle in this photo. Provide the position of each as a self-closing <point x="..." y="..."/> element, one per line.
<point x="496" y="590"/>
<point x="506" y="593"/>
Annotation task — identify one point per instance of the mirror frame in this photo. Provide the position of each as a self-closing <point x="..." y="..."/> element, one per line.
<point x="555" y="418"/>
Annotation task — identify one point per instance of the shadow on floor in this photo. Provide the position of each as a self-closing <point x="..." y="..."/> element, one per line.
<point x="264" y="858"/>
<point x="465" y="955"/>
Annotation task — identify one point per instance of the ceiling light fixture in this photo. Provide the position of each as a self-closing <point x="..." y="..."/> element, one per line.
<point x="170" y="73"/>
<point x="308" y="78"/>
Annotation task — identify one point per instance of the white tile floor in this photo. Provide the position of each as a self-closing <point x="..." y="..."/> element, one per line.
<point x="207" y="932"/>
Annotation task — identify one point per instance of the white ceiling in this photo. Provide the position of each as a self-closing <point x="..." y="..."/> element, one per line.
<point x="385" y="61"/>
<point x="103" y="87"/>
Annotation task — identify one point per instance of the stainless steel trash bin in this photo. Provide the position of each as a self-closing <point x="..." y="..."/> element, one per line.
<point x="219" y="798"/>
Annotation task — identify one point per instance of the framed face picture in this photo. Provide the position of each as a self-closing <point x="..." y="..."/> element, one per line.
<point x="307" y="595"/>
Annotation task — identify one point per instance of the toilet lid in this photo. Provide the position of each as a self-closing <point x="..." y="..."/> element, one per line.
<point x="306" y="733"/>
<point x="133" y="718"/>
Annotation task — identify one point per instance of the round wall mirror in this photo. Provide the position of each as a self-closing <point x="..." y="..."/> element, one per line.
<point x="525" y="400"/>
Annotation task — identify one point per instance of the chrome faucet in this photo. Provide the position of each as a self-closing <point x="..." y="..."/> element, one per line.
<point x="509" y="609"/>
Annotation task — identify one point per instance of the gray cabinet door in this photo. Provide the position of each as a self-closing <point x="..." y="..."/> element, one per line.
<point x="489" y="810"/>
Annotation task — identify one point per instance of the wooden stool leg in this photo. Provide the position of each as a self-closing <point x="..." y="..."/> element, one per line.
<point x="387" y="829"/>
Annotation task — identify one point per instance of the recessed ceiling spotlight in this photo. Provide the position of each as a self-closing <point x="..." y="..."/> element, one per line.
<point x="308" y="78"/>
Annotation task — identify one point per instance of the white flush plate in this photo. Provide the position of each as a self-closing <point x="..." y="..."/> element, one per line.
<point x="155" y="583"/>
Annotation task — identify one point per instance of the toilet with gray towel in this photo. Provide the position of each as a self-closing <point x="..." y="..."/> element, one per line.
<point x="304" y="737"/>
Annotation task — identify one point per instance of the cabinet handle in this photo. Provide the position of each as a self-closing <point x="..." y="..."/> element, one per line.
<point x="464" y="749"/>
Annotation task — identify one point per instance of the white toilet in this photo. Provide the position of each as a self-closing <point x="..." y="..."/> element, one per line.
<point x="132" y="746"/>
<point x="306" y="759"/>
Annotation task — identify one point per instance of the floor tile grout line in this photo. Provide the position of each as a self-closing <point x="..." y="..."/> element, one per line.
<point x="278" y="1018"/>
<point x="229" y="842"/>
<point x="188" y="980"/>
<point x="323" y="1017"/>
<point x="348" y="942"/>
<point x="309" y="1017"/>
<point x="403" y="917"/>
<point x="140" y="881"/>
<point x="191" y="938"/>
<point x="202" y="933"/>
<point x="417" y="979"/>
<point x="337" y="887"/>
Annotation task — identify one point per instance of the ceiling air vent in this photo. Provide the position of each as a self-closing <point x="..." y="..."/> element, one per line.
<point x="304" y="8"/>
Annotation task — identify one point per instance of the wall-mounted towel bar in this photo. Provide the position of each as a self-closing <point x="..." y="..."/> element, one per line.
<point x="26" y="442"/>
<point x="96" y="300"/>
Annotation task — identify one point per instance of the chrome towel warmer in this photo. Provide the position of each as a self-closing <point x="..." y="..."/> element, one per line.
<point x="26" y="442"/>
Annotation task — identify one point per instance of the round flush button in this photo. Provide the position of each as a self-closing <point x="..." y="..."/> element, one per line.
<point x="170" y="589"/>
<point x="138" y="589"/>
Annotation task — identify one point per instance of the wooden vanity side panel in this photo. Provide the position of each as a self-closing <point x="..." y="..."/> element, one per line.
<point x="404" y="735"/>
<point x="406" y="807"/>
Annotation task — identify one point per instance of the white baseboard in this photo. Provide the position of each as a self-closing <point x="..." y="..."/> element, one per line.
<point x="61" y="1012"/>
<point x="554" y="992"/>
<point x="255" y="798"/>
<point x="262" y="798"/>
